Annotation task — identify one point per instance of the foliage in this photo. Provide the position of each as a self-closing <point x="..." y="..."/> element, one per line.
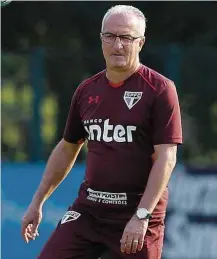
<point x="69" y="31"/>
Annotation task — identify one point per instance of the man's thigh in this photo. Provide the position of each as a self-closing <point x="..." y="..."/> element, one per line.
<point x="152" y="248"/>
<point x="74" y="238"/>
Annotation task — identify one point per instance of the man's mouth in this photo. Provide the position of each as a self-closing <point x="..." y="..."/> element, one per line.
<point x="117" y="55"/>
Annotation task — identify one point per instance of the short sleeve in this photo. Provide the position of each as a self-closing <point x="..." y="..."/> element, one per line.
<point x="74" y="130"/>
<point x="167" y="128"/>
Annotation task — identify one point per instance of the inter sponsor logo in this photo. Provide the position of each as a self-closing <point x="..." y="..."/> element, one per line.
<point x="104" y="131"/>
<point x="132" y="98"/>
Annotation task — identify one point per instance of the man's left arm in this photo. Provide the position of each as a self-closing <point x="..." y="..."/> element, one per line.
<point x="167" y="134"/>
<point x="164" y="163"/>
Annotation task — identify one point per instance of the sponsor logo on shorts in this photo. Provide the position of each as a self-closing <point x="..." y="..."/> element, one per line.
<point x="70" y="216"/>
<point x="107" y="197"/>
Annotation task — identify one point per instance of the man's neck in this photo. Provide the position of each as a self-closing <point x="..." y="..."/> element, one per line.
<point x="119" y="76"/>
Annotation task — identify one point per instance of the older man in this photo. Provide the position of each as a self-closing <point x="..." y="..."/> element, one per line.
<point x="130" y="116"/>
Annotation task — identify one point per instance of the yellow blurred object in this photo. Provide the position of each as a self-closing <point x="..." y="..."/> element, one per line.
<point x="8" y="93"/>
<point x="49" y="113"/>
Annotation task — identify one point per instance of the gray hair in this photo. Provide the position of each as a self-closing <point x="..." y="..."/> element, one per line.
<point x="126" y="9"/>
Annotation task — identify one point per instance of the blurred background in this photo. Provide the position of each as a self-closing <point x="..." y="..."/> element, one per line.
<point x="47" y="49"/>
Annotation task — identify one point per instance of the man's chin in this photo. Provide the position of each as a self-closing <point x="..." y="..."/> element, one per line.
<point x="118" y="66"/>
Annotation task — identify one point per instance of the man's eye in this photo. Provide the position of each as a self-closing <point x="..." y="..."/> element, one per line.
<point x="108" y="36"/>
<point x="126" y="38"/>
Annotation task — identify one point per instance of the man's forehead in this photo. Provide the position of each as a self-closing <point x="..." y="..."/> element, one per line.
<point x="124" y="24"/>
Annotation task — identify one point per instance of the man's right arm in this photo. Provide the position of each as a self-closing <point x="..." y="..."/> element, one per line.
<point x="58" y="166"/>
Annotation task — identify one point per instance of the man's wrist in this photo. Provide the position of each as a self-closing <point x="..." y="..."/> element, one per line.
<point x="143" y="214"/>
<point x="37" y="202"/>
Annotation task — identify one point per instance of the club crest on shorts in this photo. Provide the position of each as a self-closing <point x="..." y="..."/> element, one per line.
<point x="69" y="216"/>
<point x="132" y="98"/>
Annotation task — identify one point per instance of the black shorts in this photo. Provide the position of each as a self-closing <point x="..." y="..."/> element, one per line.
<point x="86" y="234"/>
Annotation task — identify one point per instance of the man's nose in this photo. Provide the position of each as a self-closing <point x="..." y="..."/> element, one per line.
<point x="117" y="43"/>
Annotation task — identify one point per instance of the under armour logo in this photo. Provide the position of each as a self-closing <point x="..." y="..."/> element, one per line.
<point x="93" y="100"/>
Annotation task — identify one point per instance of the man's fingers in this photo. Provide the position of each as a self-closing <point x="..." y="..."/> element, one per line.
<point x="28" y="237"/>
<point x="30" y="223"/>
<point x="140" y="242"/>
<point x="128" y="244"/>
<point x="123" y="242"/>
<point x="32" y="231"/>
<point x="123" y="246"/>
<point x="29" y="232"/>
<point x="24" y="226"/>
<point x="135" y="244"/>
<point x="25" y="237"/>
<point x="34" y="228"/>
<point x="24" y="229"/>
<point x="131" y="244"/>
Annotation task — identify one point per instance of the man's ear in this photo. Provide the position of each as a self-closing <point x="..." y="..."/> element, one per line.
<point x="100" y="36"/>
<point x="141" y="43"/>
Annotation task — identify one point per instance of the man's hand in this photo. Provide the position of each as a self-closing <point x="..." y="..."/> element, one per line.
<point x="30" y="223"/>
<point x="133" y="236"/>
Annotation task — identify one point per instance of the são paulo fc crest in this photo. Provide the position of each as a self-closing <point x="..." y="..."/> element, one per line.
<point x="69" y="216"/>
<point x="132" y="98"/>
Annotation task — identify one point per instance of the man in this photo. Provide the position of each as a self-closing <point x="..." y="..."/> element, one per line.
<point x="131" y="118"/>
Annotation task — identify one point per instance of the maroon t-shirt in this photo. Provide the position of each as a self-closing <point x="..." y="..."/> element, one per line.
<point x="122" y="124"/>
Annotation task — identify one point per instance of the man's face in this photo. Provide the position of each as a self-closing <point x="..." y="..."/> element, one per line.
<point x="121" y="54"/>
